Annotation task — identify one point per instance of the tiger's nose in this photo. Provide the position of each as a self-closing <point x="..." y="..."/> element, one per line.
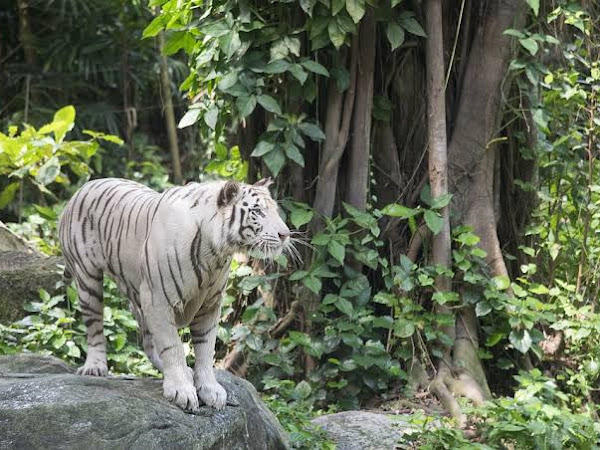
<point x="283" y="235"/>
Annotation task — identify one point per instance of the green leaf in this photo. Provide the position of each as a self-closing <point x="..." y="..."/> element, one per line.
<point x="315" y="67"/>
<point x="46" y="212"/>
<point x="312" y="283"/>
<point x="275" y="160"/>
<point x="395" y="34"/>
<point x="307" y="6"/>
<point x="502" y="282"/>
<point x="8" y="194"/>
<point x="483" y="309"/>
<point x="337" y="6"/>
<point x="396" y="210"/>
<point x="535" y="6"/>
<point x="48" y="172"/>
<point x="412" y="26"/>
<point x="344" y="305"/>
<point x="228" y="81"/>
<point x="189" y="118"/>
<point x="245" y="104"/>
<point x="293" y="153"/>
<point x="230" y="43"/>
<point x="434" y="221"/>
<point x="177" y="41"/>
<point x="403" y="328"/>
<point x="530" y="45"/>
<point x="442" y="201"/>
<point x="312" y="131"/>
<point x="298" y="72"/>
<point x="269" y="103"/>
<point x="262" y="148"/>
<point x="336" y="35"/>
<point x="521" y="340"/>
<point x="211" y="116"/>
<point x="300" y="217"/>
<point x="337" y="250"/>
<point x="64" y="119"/>
<point x="515" y="33"/>
<point x="154" y="27"/>
<point x="302" y="391"/>
<point x="356" y="9"/>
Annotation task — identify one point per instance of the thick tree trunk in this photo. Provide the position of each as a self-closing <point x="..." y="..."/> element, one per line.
<point x="169" y="112"/>
<point x="337" y="128"/>
<point x="357" y="180"/>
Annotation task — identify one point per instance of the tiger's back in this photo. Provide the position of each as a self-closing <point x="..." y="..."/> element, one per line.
<point x="103" y="228"/>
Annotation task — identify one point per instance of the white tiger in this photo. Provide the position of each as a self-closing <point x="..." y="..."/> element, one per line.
<point x="169" y="254"/>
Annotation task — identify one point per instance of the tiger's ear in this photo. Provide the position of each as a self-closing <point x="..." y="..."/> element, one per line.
<point x="265" y="182"/>
<point x="228" y="193"/>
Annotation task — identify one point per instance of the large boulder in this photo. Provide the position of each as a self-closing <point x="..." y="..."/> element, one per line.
<point x="23" y="272"/>
<point x="43" y="405"/>
<point x="364" y="430"/>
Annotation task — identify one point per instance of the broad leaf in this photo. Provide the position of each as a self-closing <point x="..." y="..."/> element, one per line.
<point x="262" y="148"/>
<point x="337" y="250"/>
<point x="211" y="116"/>
<point x="395" y="34"/>
<point x="48" y="172"/>
<point x="269" y="103"/>
<point x="411" y="25"/>
<point x="396" y="210"/>
<point x="312" y="131"/>
<point x="521" y="340"/>
<point x="189" y="118"/>
<point x="434" y="221"/>
<point x="535" y="6"/>
<point x="356" y="9"/>
<point x="293" y="153"/>
<point x="245" y="105"/>
<point x="300" y="217"/>
<point x="275" y="161"/>
<point x="315" y="67"/>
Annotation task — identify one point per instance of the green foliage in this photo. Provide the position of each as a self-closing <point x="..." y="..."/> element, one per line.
<point x="42" y="158"/>
<point x="536" y="418"/>
<point x="242" y="55"/>
<point x="55" y="326"/>
<point x="294" y="406"/>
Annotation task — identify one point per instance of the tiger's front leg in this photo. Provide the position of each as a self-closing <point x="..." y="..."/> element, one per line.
<point x="204" y="334"/>
<point x="178" y="383"/>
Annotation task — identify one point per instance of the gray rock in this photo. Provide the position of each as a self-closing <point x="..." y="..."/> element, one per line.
<point x="363" y="430"/>
<point x="22" y="274"/>
<point x="44" y="406"/>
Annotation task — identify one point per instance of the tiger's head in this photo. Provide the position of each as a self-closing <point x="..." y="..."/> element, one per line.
<point x="252" y="218"/>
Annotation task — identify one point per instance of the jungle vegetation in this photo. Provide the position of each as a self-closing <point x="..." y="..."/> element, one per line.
<point x="439" y="160"/>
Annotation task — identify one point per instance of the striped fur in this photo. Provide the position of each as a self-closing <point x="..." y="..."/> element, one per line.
<point x="169" y="253"/>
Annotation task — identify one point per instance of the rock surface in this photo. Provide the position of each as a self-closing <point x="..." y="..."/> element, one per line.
<point x="21" y="277"/>
<point x="43" y="405"/>
<point x="363" y="430"/>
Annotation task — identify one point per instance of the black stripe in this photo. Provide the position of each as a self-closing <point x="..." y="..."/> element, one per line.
<point x="194" y="250"/>
<point x="198" y="341"/>
<point x="174" y="280"/>
<point x="162" y="285"/>
<point x="165" y="349"/>
<point x="204" y="333"/>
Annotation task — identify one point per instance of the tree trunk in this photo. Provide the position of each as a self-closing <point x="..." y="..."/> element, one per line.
<point x="357" y="180"/>
<point x="337" y="129"/>
<point x="165" y="81"/>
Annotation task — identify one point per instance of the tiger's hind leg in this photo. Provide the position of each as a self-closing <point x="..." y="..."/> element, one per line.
<point x="147" y="341"/>
<point x="90" y="291"/>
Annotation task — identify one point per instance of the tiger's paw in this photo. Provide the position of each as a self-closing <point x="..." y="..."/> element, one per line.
<point x="212" y="394"/>
<point x="95" y="369"/>
<point x="181" y="394"/>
